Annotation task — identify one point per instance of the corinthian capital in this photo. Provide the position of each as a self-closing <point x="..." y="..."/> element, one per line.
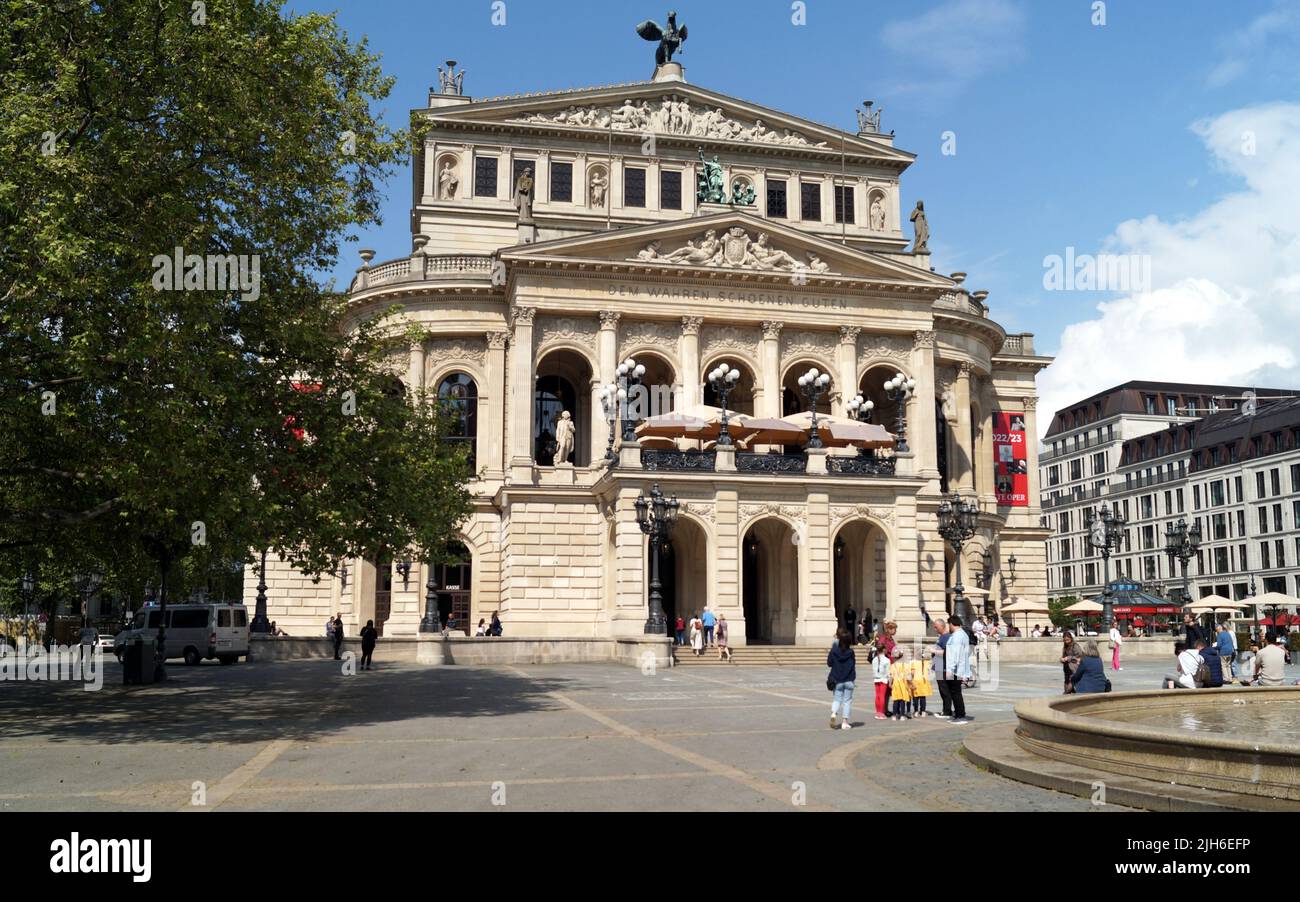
<point x="691" y="325"/>
<point x="1031" y="403"/>
<point x="609" y="319"/>
<point x="923" y="339"/>
<point x="497" y="340"/>
<point x="849" y="335"/>
<point x="524" y="315"/>
<point x="772" y="329"/>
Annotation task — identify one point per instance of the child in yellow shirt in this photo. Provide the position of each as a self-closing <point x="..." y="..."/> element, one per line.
<point x="919" y="674"/>
<point x="900" y="685"/>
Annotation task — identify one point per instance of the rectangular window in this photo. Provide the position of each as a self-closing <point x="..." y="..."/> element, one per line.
<point x="1196" y="497"/>
<point x="1089" y="574"/>
<point x="776" y="199"/>
<point x="1259" y="485"/>
<point x="1241" y="522"/>
<point x="1065" y="549"/>
<point x="1295" y="478"/>
<point x="1220" y="522"/>
<point x="1150" y="402"/>
<point x="1241" y="496"/>
<point x="1148" y="538"/>
<point x="1295" y="514"/>
<point x="1263" y="520"/>
<point x="633" y="187"/>
<point x="844" y="203"/>
<point x="1171" y="406"/>
<point x="485" y="176"/>
<point x="1098" y="464"/>
<point x="1241" y="556"/>
<point x="562" y="183"/>
<point x="1054" y="475"/>
<point x="1076" y="469"/>
<point x="1264" y="562"/>
<point x="1275" y="477"/>
<point x="810" y="201"/>
<point x="670" y="190"/>
<point x="1147" y="510"/>
<point x="1220" y="560"/>
<point x="241" y="618"/>
<point x="223" y="617"/>
<point x="1067" y="577"/>
<point x="1277" y="518"/>
<point x="189" y="620"/>
<point x="1216" y="493"/>
<point x="1281" y="552"/>
<point x="1179" y="496"/>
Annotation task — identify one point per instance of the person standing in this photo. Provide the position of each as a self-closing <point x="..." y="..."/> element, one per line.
<point x="900" y="686"/>
<point x="681" y="630"/>
<point x="1116" y="640"/>
<point x="1193" y="631"/>
<point x="709" y="622"/>
<point x="1090" y="675"/>
<point x="851" y="621"/>
<point x="921" y="688"/>
<point x="880" y="675"/>
<point x="496" y="625"/>
<point x="338" y="635"/>
<point x="936" y="664"/>
<point x="697" y="636"/>
<point x="369" y="635"/>
<point x="844" y="672"/>
<point x="956" y="665"/>
<point x="329" y="627"/>
<point x="1226" y="643"/>
<point x="724" y="653"/>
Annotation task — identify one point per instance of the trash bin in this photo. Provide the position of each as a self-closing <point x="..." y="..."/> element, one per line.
<point x="138" y="662"/>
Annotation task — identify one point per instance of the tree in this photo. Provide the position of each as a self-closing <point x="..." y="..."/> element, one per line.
<point x="151" y="412"/>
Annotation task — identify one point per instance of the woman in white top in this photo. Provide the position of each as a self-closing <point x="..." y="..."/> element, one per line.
<point x="1116" y="640"/>
<point x="697" y="636"/>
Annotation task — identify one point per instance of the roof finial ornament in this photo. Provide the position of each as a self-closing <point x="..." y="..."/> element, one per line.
<point x="451" y="81"/>
<point x="869" y="121"/>
<point x="670" y="39"/>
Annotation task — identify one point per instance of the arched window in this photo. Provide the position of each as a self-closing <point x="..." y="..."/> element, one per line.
<point x="459" y="397"/>
<point x="554" y="395"/>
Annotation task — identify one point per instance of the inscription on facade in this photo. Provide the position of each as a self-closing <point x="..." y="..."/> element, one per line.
<point x="723" y="295"/>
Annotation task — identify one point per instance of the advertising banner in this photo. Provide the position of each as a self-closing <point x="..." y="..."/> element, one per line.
<point x="1010" y="460"/>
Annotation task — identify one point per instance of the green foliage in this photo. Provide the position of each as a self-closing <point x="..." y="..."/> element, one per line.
<point x="1060" y="617"/>
<point x="130" y="414"/>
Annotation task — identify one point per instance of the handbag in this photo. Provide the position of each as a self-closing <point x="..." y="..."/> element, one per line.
<point x="830" y="684"/>
<point x="1108" y="687"/>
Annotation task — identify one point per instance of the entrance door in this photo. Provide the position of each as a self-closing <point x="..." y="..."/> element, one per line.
<point x="756" y="628"/>
<point x="454" y="590"/>
<point x="667" y="582"/>
<point x="383" y="593"/>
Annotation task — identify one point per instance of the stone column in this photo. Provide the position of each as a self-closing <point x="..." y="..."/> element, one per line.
<point x="608" y="350"/>
<point x="692" y="385"/>
<point x="492" y="418"/>
<point x="920" y="415"/>
<point x="727" y="566"/>
<point x="985" y="475"/>
<point x="769" y="379"/>
<point x="415" y="371"/>
<point x="965" y="449"/>
<point x="816" y="623"/>
<point x="846" y="364"/>
<point x="630" y="577"/>
<point x="521" y="396"/>
<point x="1031" y="455"/>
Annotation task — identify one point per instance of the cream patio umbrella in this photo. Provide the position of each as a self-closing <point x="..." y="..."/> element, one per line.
<point x="1272" y="601"/>
<point x="1087" y="606"/>
<point x="1026" y="607"/>
<point x="841" y="432"/>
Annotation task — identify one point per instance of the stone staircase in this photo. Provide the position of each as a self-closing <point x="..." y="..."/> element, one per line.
<point x="755" y="656"/>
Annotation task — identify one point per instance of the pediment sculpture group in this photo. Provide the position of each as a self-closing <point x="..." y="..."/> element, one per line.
<point x="735" y="250"/>
<point x="672" y="117"/>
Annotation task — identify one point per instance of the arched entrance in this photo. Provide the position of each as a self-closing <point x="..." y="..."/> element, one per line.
<point x="861" y="571"/>
<point x="741" y="398"/>
<point x="683" y="572"/>
<point x="563" y="383"/>
<point x="382" y="603"/>
<point x="455" y="584"/>
<point x="770" y="582"/>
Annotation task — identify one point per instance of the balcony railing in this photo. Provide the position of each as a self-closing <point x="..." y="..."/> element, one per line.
<point x="436" y="266"/>
<point x="771" y="463"/>
<point x="861" y="466"/>
<point x="662" y="459"/>
<point x="1021" y="345"/>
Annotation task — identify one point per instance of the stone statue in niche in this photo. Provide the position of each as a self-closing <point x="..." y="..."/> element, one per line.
<point x="524" y="196"/>
<point x="877" y="214"/>
<point x="742" y="195"/>
<point x="599" y="187"/>
<point x="448" y="181"/>
<point x="564" y="434"/>
<point x="711" y="188"/>
<point x="921" y="245"/>
<point x="948" y="401"/>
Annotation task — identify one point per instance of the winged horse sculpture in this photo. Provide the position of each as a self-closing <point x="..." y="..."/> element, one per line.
<point x="670" y="39"/>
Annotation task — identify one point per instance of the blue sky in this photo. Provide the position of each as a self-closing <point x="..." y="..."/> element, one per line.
<point x="1123" y="137"/>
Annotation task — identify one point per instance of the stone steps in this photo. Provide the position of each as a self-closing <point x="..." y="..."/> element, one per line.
<point x="755" y="655"/>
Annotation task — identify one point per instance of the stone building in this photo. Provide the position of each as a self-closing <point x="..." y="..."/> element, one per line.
<point x="557" y="234"/>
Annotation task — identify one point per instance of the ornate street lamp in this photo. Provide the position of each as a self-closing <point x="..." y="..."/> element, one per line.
<point x="1105" y="533"/>
<point x="343" y="576"/>
<point x="656" y="516"/>
<point x="900" y="389"/>
<point x="610" y="398"/>
<point x="87" y="586"/>
<point x="861" y="409"/>
<point x="957" y="521"/>
<point x="431" y="622"/>
<point x="629" y="373"/>
<point x="261" y="624"/>
<point x="404" y="568"/>
<point x="1011" y="568"/>
<point x="812" y="384"/>
<point x="1181" y="542"/>
<point x="723" y="379"/>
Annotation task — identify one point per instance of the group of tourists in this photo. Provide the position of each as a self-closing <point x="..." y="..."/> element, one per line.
<point x="1081" y="665"/>
<point x="1202" y="664"/>
<point x="704" y="630"/>
<point x="903" y="681"/>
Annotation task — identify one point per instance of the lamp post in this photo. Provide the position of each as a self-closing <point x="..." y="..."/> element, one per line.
<point x="261" y="624"/>
<point x="1181" y="542"/>
<point x="28" y="588"/>
<point x="404" y="568"/>
<point x="1105" y="533"/>
<point x="986" y="583"/>
<point x="87" y="586"/>
<point x="431" y="622"/>
<point x="900" y="389"/>
<point x="656" y="516"/>
<point x="629" y="373"/>
<point x="610" y="397"/>
<point x="723" y="379"/>
<point x="957" y="519"/>
<point x="861" y="409"/>
<point x="812" y="384"/>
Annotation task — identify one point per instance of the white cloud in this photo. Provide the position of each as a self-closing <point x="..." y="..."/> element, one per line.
<point x="1224" y="304"/>
<point x="1250" y="45"/>
<point x="954" y="43"/>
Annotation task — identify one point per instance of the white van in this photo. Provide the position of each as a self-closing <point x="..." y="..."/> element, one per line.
<point x="194" y="631"/>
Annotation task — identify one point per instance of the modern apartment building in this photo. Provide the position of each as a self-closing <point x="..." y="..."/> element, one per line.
<point x="1148" y="448"/>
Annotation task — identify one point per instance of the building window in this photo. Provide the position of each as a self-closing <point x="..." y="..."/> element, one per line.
<point x="1241" y="496"/>
<point x="1220" y="560"/>
<point x="458" y="396"/>
<point x="1065" y="549"/>
<point x="1259" y="485"/>
<point x="1147" y="510"/>
<point x="1241" y="556"/>
<point x="776" y="199"/>
<point x="1275" y="477"/>
<point x="1216" y="493"/>
<point x="1241" y="522"/>
<point x="1179" y="496"/>
<point x="844" y="203"/>
<point x="1220" y="522"/>
<point x="1054" y="475"/>
<point x="1264" y="562"/>
<point x="1076" y="469"/>
<point x="1281" y="552"/>
<point x="1150" y="403"/>
<point x="1089" y="574"/>
<point x="810" y="201"/>
<point x="485" y="176"/>
<point x="1196" y="497"/>
<point x="517" y="169"/>
<point x="1263" y="520"/>
<point x="1098" y="464"/>
<point x="670" y="190"/>
<point x="633" y="187"/>
<point x="1277" y="518"/>
<point x="1067" y="577"/>
<point x="1171" y="405"/>
<point x="1295" y="478"/>
<point x="562" y="183"/>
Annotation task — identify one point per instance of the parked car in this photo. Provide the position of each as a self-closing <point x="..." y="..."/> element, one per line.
<point x="194" y="631"/>
<point x="105" y="641"/>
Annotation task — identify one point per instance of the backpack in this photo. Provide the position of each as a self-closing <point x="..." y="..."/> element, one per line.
<point x="970" y="634"/>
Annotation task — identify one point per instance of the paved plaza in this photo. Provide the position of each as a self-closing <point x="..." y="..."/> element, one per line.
<point x="302" y="736"/>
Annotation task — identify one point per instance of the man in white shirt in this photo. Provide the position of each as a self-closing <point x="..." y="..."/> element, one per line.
<point x="1188" y="662"/>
